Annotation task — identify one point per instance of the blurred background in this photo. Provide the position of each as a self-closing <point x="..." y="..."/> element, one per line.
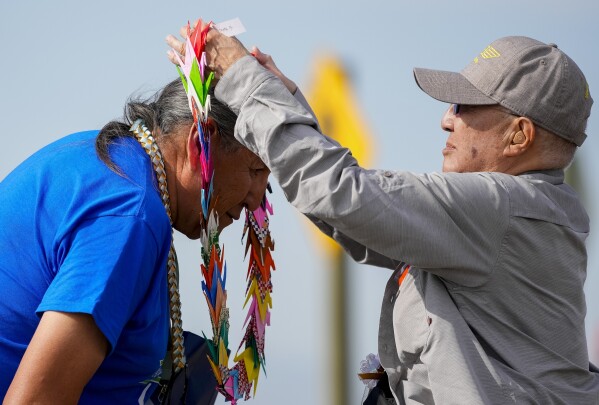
<point x="71" y="65"/>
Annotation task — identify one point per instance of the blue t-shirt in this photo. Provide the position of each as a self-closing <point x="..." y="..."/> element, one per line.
<point x="77" y="237"/>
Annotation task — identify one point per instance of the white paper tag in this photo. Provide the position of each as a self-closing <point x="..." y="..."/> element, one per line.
<point x="230" y="28"/>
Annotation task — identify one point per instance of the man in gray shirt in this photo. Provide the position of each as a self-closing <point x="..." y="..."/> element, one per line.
<point x="485" y="304"/>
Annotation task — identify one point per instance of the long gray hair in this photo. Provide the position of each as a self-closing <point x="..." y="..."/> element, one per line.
<point x="166" y="110"/>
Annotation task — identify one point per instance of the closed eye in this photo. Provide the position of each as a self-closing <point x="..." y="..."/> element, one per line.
<point x="259" y="170"/>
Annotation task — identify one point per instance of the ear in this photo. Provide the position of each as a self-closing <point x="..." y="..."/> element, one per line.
<point x="194" y="146"/>
<point x="520" y="137"/>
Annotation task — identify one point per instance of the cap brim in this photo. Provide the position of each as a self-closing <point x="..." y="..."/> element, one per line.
<point x="450" y="87"/>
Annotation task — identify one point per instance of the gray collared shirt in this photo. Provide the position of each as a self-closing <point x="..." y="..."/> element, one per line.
<point x="492" y="308"/>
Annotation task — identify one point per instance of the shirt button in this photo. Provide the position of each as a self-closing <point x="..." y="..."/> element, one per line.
<point x="387" y="173"/>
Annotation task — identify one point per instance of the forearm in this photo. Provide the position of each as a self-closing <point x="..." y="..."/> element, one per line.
<point x="318" y="177"/>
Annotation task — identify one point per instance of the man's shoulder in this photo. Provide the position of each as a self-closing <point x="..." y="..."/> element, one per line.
<point x="540" y="195"/>
<point x="471" y="186"/>
<point x="543" y="195"/>
<point x="546" y="182"/>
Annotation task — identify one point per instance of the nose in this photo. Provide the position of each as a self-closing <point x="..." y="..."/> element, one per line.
<point x="257" y="189"/>
<point x="447" y="119"/>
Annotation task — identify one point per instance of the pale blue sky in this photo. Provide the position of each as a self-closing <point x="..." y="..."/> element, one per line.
<point x="70" y="65"/>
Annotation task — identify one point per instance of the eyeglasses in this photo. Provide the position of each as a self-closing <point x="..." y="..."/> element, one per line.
<point x="457" y="107"/>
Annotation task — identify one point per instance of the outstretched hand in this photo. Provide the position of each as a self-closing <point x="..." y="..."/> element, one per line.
<point x="222" y="52"/>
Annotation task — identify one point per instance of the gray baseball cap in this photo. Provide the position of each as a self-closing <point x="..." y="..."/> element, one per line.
<point x="528" y="77"/>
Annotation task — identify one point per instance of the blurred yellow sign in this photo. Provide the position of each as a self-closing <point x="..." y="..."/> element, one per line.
<point x="334" y="102"/>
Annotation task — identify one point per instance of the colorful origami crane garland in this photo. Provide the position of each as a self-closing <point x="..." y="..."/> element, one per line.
<point x="236" y="382"/>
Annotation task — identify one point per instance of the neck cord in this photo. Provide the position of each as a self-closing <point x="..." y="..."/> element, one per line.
<point x="144" y="137"/>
